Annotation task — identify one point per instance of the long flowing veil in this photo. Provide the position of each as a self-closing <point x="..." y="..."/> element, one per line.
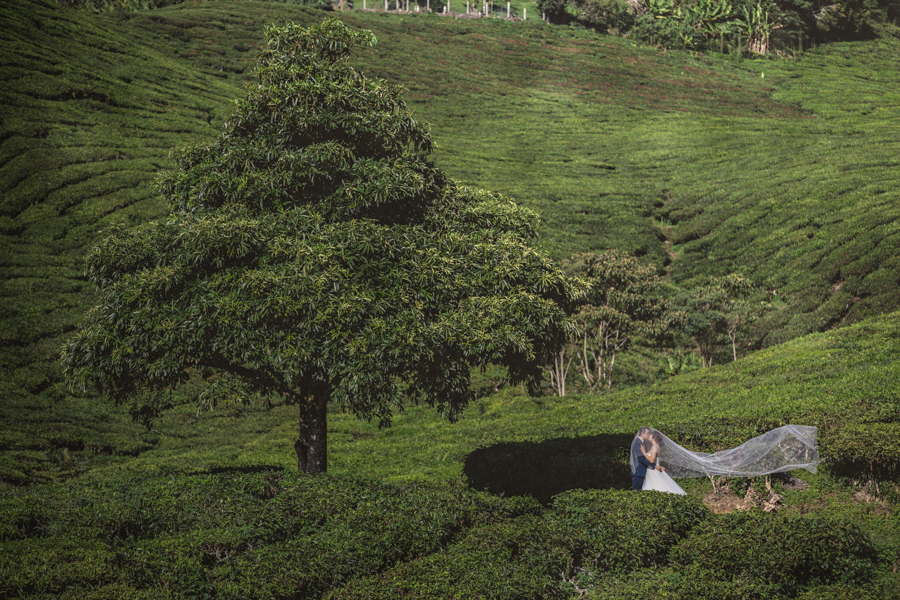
<point x="782" y="449"/>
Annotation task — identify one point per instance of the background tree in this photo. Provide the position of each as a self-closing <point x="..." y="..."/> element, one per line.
<point x="553" y="10"/>
<point x="624" y="300"/>
<point x="314" y="253"/>
<point x="714" y="314"/>
<point x="558" y="369"/>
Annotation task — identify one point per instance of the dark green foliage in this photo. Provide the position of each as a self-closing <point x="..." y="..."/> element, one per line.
<point x="673" y="584"/>
<point x="133" y="5"/>
<point x="553" y="10"/>
<point x="525" y="558"/>
<point x="715" y="315"/>
<point x="669" y="33"/>
<point x="788" y="176"/>
<point x="838" y="592"/>
<point x="633" y="120"/>
<point x="625" y="301"/>
<point x="53" y="565"/>
<point x="751" y="27"/>
<point x="604" y="15"/>
<point x="789" y="551"/>
<point x="622" y="530"/>
<point x="256" y="535"/>
<point x="272" y="535"/>
<point x="42" y="440"/>
<point x="845" y="19"/>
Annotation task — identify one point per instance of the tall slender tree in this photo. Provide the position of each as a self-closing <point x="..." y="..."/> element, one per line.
<point x="624" y="300"/>
<point x="715" y="312"/>
<point x="313" y="252"/>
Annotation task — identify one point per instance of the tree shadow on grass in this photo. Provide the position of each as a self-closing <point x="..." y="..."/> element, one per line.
<point x="544" y="469"/>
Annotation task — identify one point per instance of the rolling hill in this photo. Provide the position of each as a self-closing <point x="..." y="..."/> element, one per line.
<point x="784" y="169"/>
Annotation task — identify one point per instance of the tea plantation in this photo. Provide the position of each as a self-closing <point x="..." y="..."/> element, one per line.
<point x="783" y="169"/>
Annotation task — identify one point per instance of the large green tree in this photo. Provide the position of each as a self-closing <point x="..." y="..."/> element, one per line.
<point x="313" y="253"/>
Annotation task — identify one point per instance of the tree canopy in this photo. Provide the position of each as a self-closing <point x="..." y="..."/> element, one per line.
<point x="313" y="252"/>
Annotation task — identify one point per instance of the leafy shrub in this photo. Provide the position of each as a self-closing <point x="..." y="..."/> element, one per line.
<point x="668" y="33"/>
<point x="232" y="534"/>
<point x="604" y="15"/>
<point x="21" y="517"/>
<point x="845" y="19"/>
<point x="863" y="449"/>
<point x="789" y="551"/>
<point x="672" y="584"/>
<point x="837" y="592"/>
<point x="554" y="10"/>
<point x="115" y="591"/>
<point x="520" y="559"/>
<point x="51" y="565"/>
<point x="131" y="5"/>
<point x="615" y="530"/>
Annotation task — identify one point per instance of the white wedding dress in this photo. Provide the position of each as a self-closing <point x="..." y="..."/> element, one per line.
<point x="661" y="482"/>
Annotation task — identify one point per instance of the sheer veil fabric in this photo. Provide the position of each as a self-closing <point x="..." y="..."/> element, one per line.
<point x="777" y="451"/>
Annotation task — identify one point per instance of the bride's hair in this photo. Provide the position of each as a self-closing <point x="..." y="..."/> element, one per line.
<point x="657" y="437"/>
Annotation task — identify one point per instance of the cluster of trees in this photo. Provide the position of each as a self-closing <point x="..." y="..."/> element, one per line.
<point x="756" y="26"/>
<point x="628" y="302"/>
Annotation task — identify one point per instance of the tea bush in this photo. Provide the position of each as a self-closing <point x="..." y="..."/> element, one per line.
<point x="837" y="592"/>
<point x="673" y="584"/>
<point x="272" y="535"/>
<point x="790" y="551"/>
<point x="231" y="534"/>
<point x="619" y="530"/>
<point x="524" y="558"/>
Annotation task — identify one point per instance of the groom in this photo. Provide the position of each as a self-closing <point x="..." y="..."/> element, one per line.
<point x="640" y="471"/>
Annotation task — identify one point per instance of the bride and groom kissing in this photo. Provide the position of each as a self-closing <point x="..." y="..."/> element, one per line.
<point x="782" y="449"/>
<point x="646" y="472"/>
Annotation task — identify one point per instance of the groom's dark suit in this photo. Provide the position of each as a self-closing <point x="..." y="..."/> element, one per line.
<point x="637" y="476"/>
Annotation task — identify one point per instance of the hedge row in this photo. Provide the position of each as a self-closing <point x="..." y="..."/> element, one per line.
<point x="270" y="535"/>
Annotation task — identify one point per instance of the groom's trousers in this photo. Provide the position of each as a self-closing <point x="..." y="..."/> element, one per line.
<point x="637" y="483"/>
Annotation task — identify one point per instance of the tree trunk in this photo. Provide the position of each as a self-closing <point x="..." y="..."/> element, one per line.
<point x="312" y="442"/>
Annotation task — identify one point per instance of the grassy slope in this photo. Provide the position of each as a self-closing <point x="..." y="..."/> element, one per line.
<point x="655" y="162"/>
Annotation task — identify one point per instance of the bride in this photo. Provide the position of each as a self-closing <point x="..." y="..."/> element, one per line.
<point x="657" y="479"/>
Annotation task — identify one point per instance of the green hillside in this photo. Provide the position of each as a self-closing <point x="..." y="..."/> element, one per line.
<point x="784" y="169"/>
<point x="697" y="164"/>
